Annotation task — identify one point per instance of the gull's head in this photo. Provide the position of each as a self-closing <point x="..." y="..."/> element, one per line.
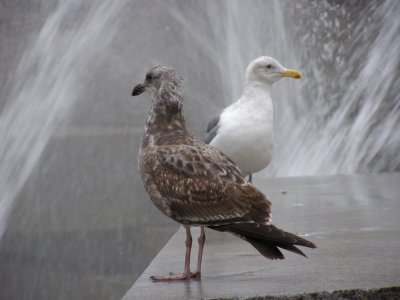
<point x="158" y="77"/>
<point x="267" y="70"/>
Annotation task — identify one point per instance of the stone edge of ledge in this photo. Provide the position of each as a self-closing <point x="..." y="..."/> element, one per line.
<point x="392" y="292"/>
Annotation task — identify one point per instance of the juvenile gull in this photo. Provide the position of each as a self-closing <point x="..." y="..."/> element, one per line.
<point x="244" y="130"/>
<point x="195" y="184"/>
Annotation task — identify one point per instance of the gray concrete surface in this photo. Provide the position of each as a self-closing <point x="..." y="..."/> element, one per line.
<point x="354" y="220"/>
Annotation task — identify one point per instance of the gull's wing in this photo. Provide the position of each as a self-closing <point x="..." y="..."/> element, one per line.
<point x="212" y="129"/>
<point x="202" y="186"/>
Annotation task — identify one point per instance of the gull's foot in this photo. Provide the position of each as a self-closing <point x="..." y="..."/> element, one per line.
<point x="175" y="276"/>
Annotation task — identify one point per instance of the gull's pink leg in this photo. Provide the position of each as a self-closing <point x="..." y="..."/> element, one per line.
<point x="201" y="240"/>
<point x="188" y="244"/>
<point x="186" y="271"/>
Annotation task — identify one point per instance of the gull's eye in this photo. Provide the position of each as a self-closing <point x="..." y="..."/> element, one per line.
<point x="269" y="66"/>
<point x="150" y="76"/>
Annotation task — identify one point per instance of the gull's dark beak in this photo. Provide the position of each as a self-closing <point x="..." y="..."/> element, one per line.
<point x="139" y="89"/>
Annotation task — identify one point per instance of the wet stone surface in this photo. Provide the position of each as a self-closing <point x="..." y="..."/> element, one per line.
<point x="354" y="220"/>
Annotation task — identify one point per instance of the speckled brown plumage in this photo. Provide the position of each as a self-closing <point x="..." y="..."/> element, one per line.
<point x="194" y="183"/>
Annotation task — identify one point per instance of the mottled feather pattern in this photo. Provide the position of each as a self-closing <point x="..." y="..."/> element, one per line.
<point x="202" y="186"/>
<point x="199" y="200"/>
<point x="197" y="159"/>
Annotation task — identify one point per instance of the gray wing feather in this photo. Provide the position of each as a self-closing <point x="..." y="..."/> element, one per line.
<point x="212" y="129"/>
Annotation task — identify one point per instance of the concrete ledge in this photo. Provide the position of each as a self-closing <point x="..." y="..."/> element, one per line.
<point x="354" y="220"/>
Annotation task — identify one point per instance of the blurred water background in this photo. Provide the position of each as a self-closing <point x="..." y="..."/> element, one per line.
<point x="75" y="222"/>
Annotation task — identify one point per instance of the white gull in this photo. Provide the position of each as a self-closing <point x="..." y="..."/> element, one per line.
<point x="244" y="130"/>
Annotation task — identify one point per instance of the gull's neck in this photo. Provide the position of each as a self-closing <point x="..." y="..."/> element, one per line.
<point x="256" y="90"/>
<point x="165" y="119"/>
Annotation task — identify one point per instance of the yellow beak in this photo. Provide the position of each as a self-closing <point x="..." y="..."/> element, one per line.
<point x="292" y="73"/>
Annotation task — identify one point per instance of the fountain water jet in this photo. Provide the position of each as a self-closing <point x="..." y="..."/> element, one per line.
<point x="348" y="115"/>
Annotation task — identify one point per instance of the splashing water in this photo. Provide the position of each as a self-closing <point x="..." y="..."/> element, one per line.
<point x="347" y="118"/>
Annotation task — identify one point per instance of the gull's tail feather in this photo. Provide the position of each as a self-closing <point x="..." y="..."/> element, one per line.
<point x="267" y="239"/>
